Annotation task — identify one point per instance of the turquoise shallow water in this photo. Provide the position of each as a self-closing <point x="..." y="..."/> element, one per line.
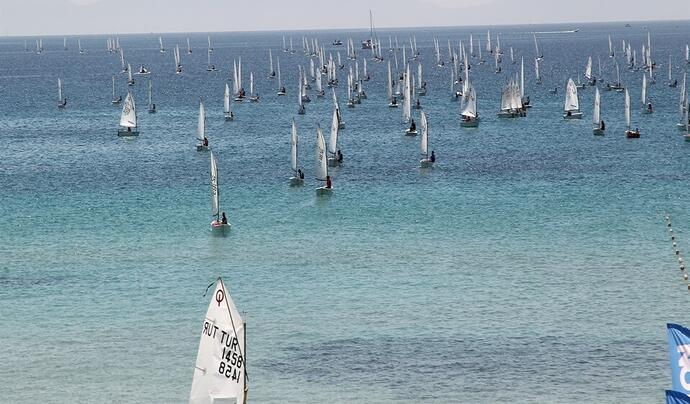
<point x="532" y="264"/>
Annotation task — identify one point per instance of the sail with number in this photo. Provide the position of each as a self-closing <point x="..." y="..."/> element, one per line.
<point x="128" y="119"/>
<point x="220" y="369"/>
<point x="470" y="97"/>
<point x="572" y="103"/>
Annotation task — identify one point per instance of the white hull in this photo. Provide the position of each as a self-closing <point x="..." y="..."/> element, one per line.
<point x="598" y="132"/>
<point x="426" y="163"/>
<point x="219" y="228"/>
<point x="201" y="148"/>
<point x="511" y="114"/>
<point x="409" y="132"/>
<point x="296" y="181"/>
<point x="687" y="137"/>
<point x="473" y="123"/>
<point x="323" y="191"/>
<point x="333" y="162"/>
<point x="573" y="115"/>
<point x="229" y="116"/>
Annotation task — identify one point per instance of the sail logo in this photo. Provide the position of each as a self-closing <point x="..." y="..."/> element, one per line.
<point x="684" y="365"/>
<point x="220" y="296"/>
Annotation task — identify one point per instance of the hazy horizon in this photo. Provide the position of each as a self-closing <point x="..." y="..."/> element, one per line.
<point x="98" y="17"/>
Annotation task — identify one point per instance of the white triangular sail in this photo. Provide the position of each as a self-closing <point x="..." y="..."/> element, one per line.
<point x="470" y="98"/>
<point x="128" y="119"/>
<point x="644" y="90"/>
<point x="321" y="159"/>
<point x="425" y="135"/>
<point x="219" y="374"/>
<point x="588" y="69"/>
<point x="201" y="124"/>
<point x="572" y="103"/>
<point x="333" y="141"/>
<point x="60" y="99"/>
<point x="293" y="147"/>
<point x="150" y="94"/>
<point x="215" y="195"/>
<point x="596" y="116"/>
<point x="627" y="110"/>
<point x="226" y="99"/>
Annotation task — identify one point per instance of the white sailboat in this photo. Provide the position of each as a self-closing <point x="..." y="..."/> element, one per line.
<point x="335" y="157"/>
<point x="116" y="99"/>
<point x="511" y="104"/>
<point x="281" y="88"/>
<point x="683" y="105"/>
<point x="525" y="99"/>
<point x="271" y="71"/>
<point x="227" y="111"/>
<point x="189" y="47"/>
<point x="571" y="107"/>
<point x="210" y="67"/>
<point x="210" y="47"/>
<point x="160" y="42"/>
<point x="470" y="115"/>
<point x="647" y="107"/>
<point x="220" y="371"/>
<point x="128" y="119"/>
<point x="297" y="178"/>
<point x="588" y="72"/>
<point x="629" y="133"/>
<point x="301" y="109"/>
<point x="253" y="97"/>
<point x="392" y="100"/>
<point x="130" y="79"/>
<point x="598" y="127"/>
<point x="407" y="105"/>
<point x="686" y="119"/>
<point x="428" y="160"/>
<point x="62" y="101"/>
<point x="201" y="129"/>
<point x="220" y="224"/>
<point x="322" y="165"/>
<point x="611" y="52"/>
<point x="152" y="106"/>
<point x="81" y="50"/>
<point x="671" y="82"/>
<point x="540" y="55"/>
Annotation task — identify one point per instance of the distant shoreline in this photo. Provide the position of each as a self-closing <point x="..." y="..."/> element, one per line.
<point x="569" y="27"/>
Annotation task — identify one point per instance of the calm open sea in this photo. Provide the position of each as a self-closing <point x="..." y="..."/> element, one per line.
<point x="532" y="264"/>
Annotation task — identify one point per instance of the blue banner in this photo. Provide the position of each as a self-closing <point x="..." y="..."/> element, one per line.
<point x="679" y="357"/>
<point x="674" y="397"/>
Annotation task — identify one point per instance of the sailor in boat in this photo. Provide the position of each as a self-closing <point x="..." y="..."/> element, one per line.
<point x="129" y="129"/>
<point x="153" y="107"/>
<point x="413" y="126"/>
<point x="242" y="93"/>
<point x="223" y="219"/>
<point x="394" y="101"/>
<point x="650" y="109"/>
<point x="525" y="101"/>
<point x="424" y="86"/>
<point x="300" y="173"/>
<point x="339" y="155"/>
<point x="432" y="158"/>
<point x="205" y="141"/>
<point x="602" y="125"/>
<point x="569" y="113"/>
<point x="418" y="105"/>
<point x="119" y="99"/>
<point x="282" y="89"/>
<point x="329" y="184"/>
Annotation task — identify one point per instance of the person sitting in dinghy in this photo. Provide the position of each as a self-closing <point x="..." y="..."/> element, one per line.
<point x="329" y="184"/>
<point x="602" y="125"/>
<point x="205" y="141"/>
<point x="340" y="157"/>
<point x="413" y="126"/>
<point x="650" y="109"/>
<point x="432" y="158"/>
<point x="224" y="219"/>
<point x="300" y="173"/>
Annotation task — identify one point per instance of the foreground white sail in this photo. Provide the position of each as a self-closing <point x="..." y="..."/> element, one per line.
<point x="128" y="119"/>
<point x="220" y="370"/>
<point x="470" y="116"/>
<point x="335" y="156"/>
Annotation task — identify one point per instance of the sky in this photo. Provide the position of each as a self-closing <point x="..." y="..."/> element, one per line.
<point x="79" y="17"/>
